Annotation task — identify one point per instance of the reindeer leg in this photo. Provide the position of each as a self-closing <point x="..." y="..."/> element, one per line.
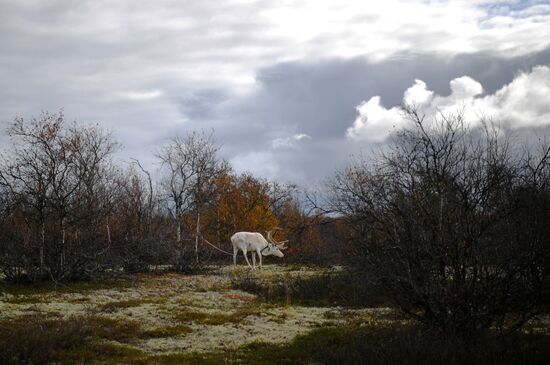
<point x="260" y="257"/>
<point x="253" y="259"/>
<point x="235" y="251"/>
<point x="246" y="258"/>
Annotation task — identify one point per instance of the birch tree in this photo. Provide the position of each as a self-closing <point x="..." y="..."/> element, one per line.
<point x="190" y="167"/>
<point x="55" y="174"/>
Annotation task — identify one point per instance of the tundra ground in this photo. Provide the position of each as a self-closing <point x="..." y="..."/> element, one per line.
<point x="169" y="318"/>
<point x="168" y="315"/>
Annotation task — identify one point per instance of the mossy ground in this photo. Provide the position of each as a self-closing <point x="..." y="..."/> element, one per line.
<point x="197" y="319"/>
<point x="166" y="317"/>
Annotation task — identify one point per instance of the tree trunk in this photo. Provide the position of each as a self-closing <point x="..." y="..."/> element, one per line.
<point x="218" y="227"/>
<point x="42" y="244"/>
<point x="62" y="258"/>
<point x="197" y="235"/>
<point x="108" y="232"/>
<point x="179" y="242"/>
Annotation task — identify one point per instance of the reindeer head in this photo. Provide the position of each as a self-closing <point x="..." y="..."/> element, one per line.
<point x="274" y="248"/>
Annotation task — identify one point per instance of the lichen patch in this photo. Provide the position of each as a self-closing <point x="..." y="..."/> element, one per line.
<point x="187" y="313"/>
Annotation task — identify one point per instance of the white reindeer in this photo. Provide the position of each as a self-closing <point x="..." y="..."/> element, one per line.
<point x="256" y="244"/>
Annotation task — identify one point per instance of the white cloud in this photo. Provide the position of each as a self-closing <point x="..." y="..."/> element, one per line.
<point x="289" y="142"/>
<point x="521" y="103"/>
<point x="374" y="121"/>
<point x="227" y="41"/>
<point x="299" y="137"/>
<point x="381" y="29"/>
<point x="465" y="88"/>
<point x="418" y="93"/>
<point x="94" y="48"/>
<point x="139" y="95"/>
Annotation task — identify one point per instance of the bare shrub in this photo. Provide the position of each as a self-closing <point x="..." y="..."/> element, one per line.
<point x="56" y="179"/>
<point x="36" y="340"/>
<point x="329" y="288"/>
<point x="399" y="344"/>
<point x="453" y="223"/>
<point x="31" y="340"/>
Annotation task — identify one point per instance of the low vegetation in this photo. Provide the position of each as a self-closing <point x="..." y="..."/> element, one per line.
<point x="161" y="317"/>
<point x="329" y="288"/>
<point x="397" y="344"/>
<point x="186" y="315"/>
<point x="34" y="339"/>
<point x="129" y="303"/>
<point x="46" y="287"/>
<point x="234" y="316"/>
<point x="75" y="340"/>
<point x="167" y="331"/>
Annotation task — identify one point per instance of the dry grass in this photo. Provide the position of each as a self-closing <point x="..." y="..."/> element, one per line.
<point x="34" y="339"/>
<point x="25" y="299"/>
<point x="161" y="314"/>
<point x="129" y="303"/>
<point x="186" y="315"/>
<point x="180" y="319"/>
<point x="167" y="331"/>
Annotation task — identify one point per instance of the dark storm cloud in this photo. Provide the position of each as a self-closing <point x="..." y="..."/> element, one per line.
<point x="319" y="99"/>
<point x="151" y="70"/>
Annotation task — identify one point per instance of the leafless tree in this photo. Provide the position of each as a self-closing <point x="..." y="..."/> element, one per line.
<point x="55" y="176"/>
<point x="452" y="222"/>
<point x="138" y="222"/>
<point x="190" y="166"/>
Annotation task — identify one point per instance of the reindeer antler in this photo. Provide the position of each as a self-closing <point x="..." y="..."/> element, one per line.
<point x="282" y="245"/>
<point x="279" y="244"/>
<point x="270" y="237"/>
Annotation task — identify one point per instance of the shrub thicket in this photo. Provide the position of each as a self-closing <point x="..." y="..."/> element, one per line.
<point x="453" y="223"/>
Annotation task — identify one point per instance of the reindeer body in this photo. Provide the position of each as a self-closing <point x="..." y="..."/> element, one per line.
<point x="255" y="243"/>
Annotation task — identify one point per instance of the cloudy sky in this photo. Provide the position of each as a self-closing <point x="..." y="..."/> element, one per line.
<point x="291" y="88"/>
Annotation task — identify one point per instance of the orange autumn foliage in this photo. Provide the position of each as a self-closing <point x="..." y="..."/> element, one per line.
<point x="238" y="203"/>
